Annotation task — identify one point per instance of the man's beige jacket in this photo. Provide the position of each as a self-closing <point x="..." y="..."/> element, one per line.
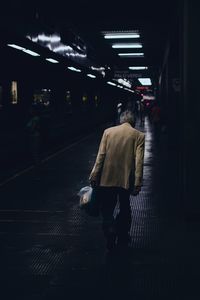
<point x="119" y="161"/>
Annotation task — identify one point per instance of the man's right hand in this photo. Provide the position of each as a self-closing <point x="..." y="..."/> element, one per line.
<point x="136" y="190"/>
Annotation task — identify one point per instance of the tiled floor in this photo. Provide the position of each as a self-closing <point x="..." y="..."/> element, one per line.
<point x="51" y="250"/>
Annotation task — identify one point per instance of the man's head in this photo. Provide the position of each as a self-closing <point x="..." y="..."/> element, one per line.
<point x="127" y="117"/>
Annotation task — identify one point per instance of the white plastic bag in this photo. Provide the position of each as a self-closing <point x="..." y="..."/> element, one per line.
<point x="89" y="201"/>
<point x="85" y="195"/>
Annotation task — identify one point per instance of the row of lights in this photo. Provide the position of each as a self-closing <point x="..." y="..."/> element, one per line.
<point x="125" y="35"/>
<point x="119" y="86"/>
<point x="129" y="35"/>
<point x="53" y="43"/>
<point x="54" y="61"/>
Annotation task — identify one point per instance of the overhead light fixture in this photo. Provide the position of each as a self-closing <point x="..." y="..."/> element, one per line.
<point x="138" y="68"/>
<point x="131" y="54"/>
<point x="98" y="69"/>
<point x="128" y="45"/>
<point x="148" y="97"/>
<point x="121" y="35"/>
<point x="31" y="52"/>
<point x="61" y="48"/>
<point x="111" y="83"/>
<point x="16" y="46"/>
<point x="124" y="82"/>
<point x="53" y="43"/>
<point x="52" y="60"/>
<point x="54" y="38"/>
<point x="91" y="75"/>
<point x="23" y="49"/>
<point x="74" y="69"/>
<point x="129" y="90"/>
<point x="145" y="81"/>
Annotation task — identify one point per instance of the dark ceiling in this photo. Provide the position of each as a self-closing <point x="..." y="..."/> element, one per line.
<point x="88" y="18"/>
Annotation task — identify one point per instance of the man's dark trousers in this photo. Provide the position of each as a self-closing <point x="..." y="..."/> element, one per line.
<point x="120" y="225"/>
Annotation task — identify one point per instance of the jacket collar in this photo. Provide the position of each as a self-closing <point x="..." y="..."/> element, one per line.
<point x="127" y="124"/>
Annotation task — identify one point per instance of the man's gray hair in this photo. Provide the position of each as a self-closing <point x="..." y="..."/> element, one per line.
<point x="127" y="117"/>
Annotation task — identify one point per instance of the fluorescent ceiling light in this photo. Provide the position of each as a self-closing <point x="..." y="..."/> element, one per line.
<point x="61" y="48"/>
<point x="31" y="52"/>
<point x="16" y="46"/>
<point x="145" y="81"/>
<point x="138" y="68"/>
<point x="111" y="83"/>
<point x="124" y="82"/>
<point x="148" y="97"/>
<point x="98" y="69"/>
<point x="129" y="90"/>
<point x="52" y="60"/>
<point x="74" y="69"/>
<point x="23" y="49"/>
<point x="131" y="54"/>
<point x="128" y="45"/>
<point x="49" y="38"/>
<point x="121" y="35"/>
<point x="90" y="75"/>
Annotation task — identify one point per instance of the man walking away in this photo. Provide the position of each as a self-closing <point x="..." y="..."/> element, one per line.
<point x="117" y="173"/>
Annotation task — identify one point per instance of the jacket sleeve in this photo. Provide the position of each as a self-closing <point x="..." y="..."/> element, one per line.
<point x="96" y="171"/>
<point x="139" y="160"/>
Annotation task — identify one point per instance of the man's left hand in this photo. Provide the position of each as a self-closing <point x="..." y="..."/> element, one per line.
<point x="93" y="184"/>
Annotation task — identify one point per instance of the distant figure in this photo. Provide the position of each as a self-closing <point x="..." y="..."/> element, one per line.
<point x="142" y="112"/>
<point x="130" y="105"/>
<point x="119" y="110"/>
<point x="33" y="127"/>
<point x="137" y="109"/>
<point x="156" y="120"/>
<point x="117" y="173"/>
<point x="137" y="99"/>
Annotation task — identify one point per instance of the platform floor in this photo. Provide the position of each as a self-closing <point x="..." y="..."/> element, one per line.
<point x="51" y="250"/>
